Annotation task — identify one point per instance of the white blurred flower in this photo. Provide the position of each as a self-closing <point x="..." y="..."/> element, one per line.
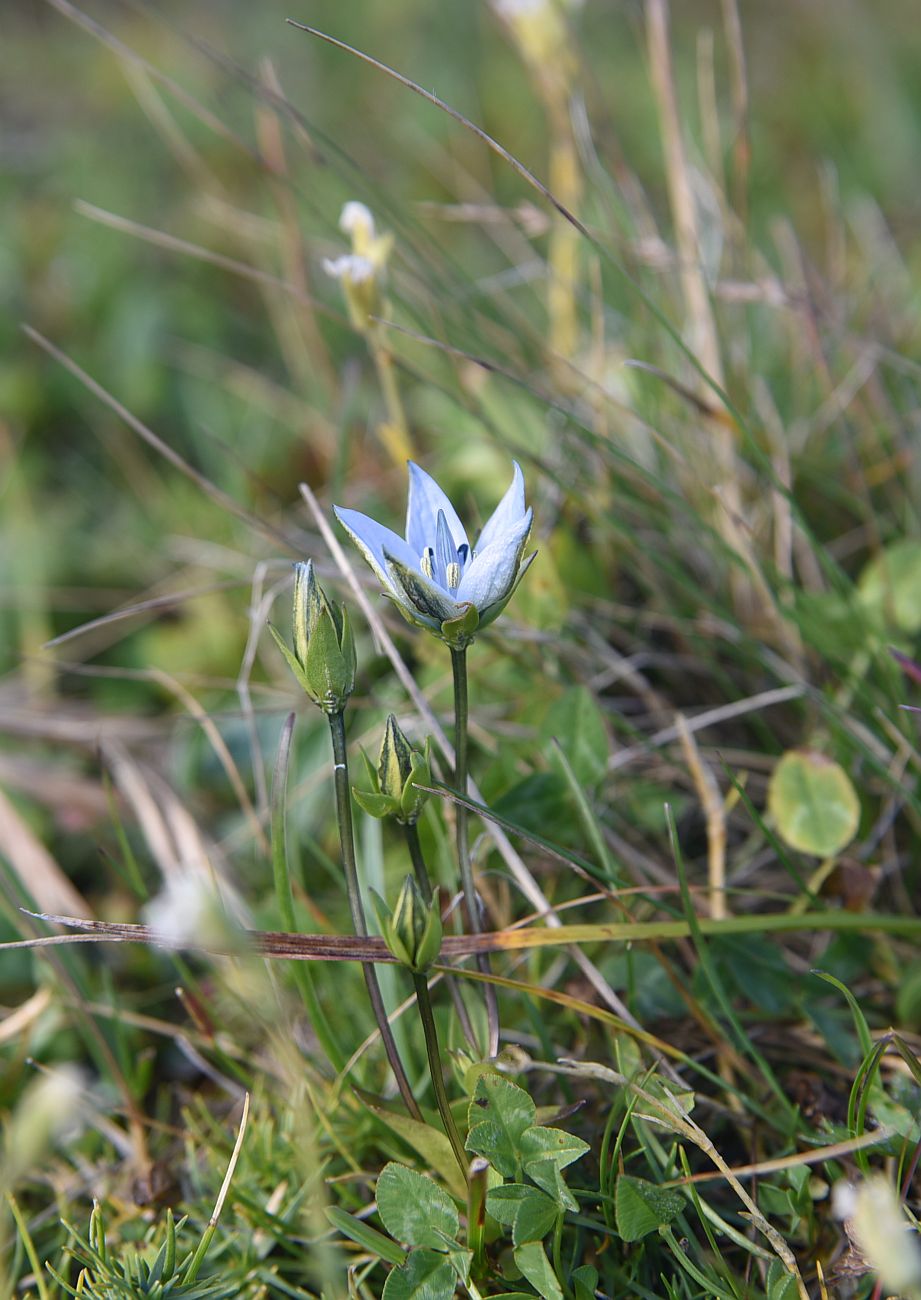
<point x="350" y="267"/>
<point x="362" y="271"/>
<point x="186" y="913"/>
<point x="877" y="1223"/>
<point x="357" y="221"/>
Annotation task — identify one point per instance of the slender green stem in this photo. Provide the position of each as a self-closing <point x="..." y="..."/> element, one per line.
<point x="425" y="885"/>
<point x="347" y="842"/>
<point x="476" y="1213"/>
<point x="461" y="709"/>
<point x="427" y="1016"/>
<point x="420" y="870"/>
<point x="303" y="977"/>
<point x="398" y="442"/>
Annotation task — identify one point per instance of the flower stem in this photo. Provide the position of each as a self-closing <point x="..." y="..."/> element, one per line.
<point x="426" y="1015"/>
<point x="416" y="858"/>
<point x="395" y="433"/>
<point x="461" y="709"/>
<point x="285" y="899"/>
<point x="425" y="885"/>
<point x="347" y="841"/>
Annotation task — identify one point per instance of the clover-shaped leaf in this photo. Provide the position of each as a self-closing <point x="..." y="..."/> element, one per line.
<point x="426" y="1275"/>
<point x="414" y="1209"/>
<point x="500" y="1114"/>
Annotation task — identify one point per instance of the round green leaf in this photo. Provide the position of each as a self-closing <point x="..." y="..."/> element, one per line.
<point x="414" y="1209"/>
<point x="813" y="803"/>
<point x="425" y="1276"/>
<point x="891" y="585"/>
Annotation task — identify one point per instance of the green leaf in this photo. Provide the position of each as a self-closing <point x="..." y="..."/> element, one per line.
<point x="545" y="1152"/>
<point x="504" y="1202"/>
<point x="430" y="1145"/>
<point x="460" y="1259"/>
<point x="781" y="1285"/>
<point x="366" y="1236"/>
<point x="499" y="1114"/>
<point x="528" y="1212"/>
<point x="584" y="1282"/>
<point x="890" y="585"/>
<point x="535" y="1266"/>
<point x="425" y="1276"/>
<point x="553" y="1144"/>
<point x="813" y="803"/>
<point x="414" y="1209"/>
<point x="640" y="1207"/>
<point x="537" y="1215"/>
<point x="575" y="722"/>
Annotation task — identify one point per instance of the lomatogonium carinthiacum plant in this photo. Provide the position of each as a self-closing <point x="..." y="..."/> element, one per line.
<point x="323" y="661"/>
<point x="442" y="583"/>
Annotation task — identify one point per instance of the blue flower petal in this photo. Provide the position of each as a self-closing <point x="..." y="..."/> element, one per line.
<point x="507" y="513"/>
<point x="425" y="500"/>
<point x="372" y="539"/>
<point x="491" y="573"/>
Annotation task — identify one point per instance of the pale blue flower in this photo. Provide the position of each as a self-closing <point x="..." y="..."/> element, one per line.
<point x="434" y="576"/>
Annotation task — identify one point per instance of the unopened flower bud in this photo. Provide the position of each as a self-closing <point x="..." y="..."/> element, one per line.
<point x="323" y="659"/>
<point x="413" y="930"/>
<point x="400" y="770"/>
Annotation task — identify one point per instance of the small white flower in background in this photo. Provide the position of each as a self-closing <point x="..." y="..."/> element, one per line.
<point x="876" y="1220"/>
<point x="434" y="576"/>
<point x="349" y="266"/>
<point x="357" y="221"/>
<point x="187" y="912"/>
<point x="362" y="271"/>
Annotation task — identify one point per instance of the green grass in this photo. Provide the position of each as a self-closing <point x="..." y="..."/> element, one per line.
<point x="727" y="530"/>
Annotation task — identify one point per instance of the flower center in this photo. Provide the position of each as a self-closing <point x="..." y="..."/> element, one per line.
<point x="444" y="562"/>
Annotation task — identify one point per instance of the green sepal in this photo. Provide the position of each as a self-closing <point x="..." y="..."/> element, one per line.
<point x="395" y="761"/>
<point x="291" y="660"/>
<point x="370" y="772"/>
<point x="375" y="805"/>
<point x="395" y="945"/>
<point x="460" y="630"/>
<point x="413" y="930"/>
<point x="347" y="643"/>
<point x="413" y="800"/>
<point x="325" y="668"/>
<point x="430" y="944"/>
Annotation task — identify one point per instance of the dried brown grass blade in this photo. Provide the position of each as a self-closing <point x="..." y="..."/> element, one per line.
<point x="41" y="877"/>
